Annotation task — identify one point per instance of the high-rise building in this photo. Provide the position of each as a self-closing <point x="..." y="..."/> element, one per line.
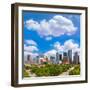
<point x="28" y="57"/>
<point x="76" y="58"/>
<point x="64" y="54"/>
<point x="41" y="56"/>
<point x="70" y="56"/>
<point x="60" y="57"/>
<point x="65" y="58"/>
<point x="29" y="60"/>
<point x="57" y="58"/>
<point x="52" y="59"/>
<point x="37" y="59"/>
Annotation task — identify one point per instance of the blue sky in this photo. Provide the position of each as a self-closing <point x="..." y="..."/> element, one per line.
<point x="50" y="31"/>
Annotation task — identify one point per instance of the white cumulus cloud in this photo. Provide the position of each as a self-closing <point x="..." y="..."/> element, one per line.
<point x="31" y="42"/>
<point x="69" y="44"/>
<point x="56" y="26"/>
<point x="48" y="38"/>
<point x="29" y="53"/>
<point x="50" y="52"/>
<point x="58" y="46"/>
<point x="30" y="48"/>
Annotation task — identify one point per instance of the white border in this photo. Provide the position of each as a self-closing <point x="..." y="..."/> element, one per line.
<point x="51" y="79"/>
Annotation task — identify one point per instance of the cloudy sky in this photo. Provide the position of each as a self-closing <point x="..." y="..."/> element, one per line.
<point x="46" y="33"/>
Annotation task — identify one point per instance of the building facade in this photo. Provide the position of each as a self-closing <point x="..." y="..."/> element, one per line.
<point x="70" y="56"/>
<point x="57" y="58"/>
<point x="65" y="58"/>
<point x="76" y="58"/>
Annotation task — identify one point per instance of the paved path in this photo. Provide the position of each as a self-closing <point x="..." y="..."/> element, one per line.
<point x="67" y="72"/>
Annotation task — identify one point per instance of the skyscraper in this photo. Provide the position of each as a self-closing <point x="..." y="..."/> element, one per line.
<point x="37" y="59"/>
<point x="41" y="56"/>
<point x="60" y="57"/>
<point x="76" y="58"/>
<point x="28" y="57"/>
<point x="65" y="58"/>
<point x="70" y="56"/>
<point x="57" y="58"/>
<point x="52" y="58"/>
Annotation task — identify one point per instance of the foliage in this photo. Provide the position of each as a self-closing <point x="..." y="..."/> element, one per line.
<point x="26" y="74"/>
<point x="75" y="71"/>
<point x="27" y="66"/>
<point x="34" y="68"/>
<point x="49" y="69"/>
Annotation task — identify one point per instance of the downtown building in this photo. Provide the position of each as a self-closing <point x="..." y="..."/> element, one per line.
<point x="28" y="59"/>
<point x="52" y="59"/>
<point x="70" y="56"/>
<point x="76" y="58"/>
<point x="65" y="58"/>
<point x="57" y="58"/>
<point x="31" y="60"/>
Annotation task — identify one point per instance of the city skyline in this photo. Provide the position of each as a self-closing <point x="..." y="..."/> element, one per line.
<point x="64" y="58"/>
<point x="47" y="33"/>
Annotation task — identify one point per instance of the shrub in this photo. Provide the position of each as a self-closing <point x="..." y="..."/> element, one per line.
<point x="26" y="74"/>
<point x="75" y="71"/>
<point x="49" y="69"/>
<point x="27" y="66"/>
<point x="34" y="68"/>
